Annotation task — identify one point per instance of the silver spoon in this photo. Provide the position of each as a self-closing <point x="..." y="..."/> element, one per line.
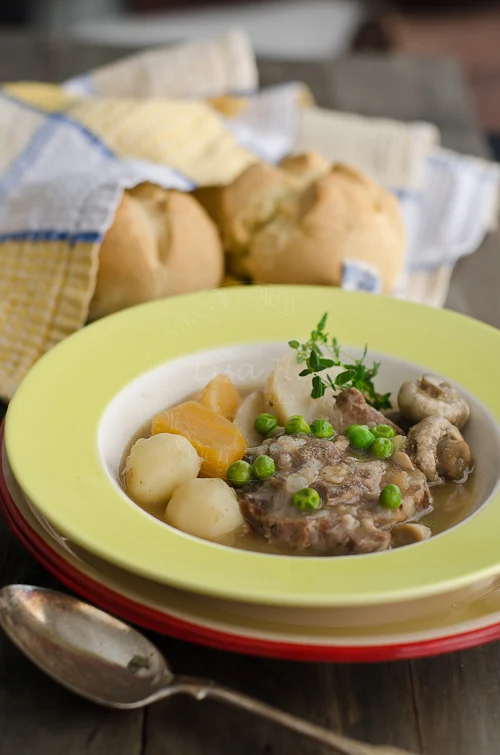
<point x="106" y="661"/>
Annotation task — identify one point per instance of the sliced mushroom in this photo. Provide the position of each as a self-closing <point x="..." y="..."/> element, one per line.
<point x="432" y="396"/>
<point x="402" y="460"/>
<point x="411" y="532"/>
<point x="454" y="458"/>
<point x="438" y="449"/>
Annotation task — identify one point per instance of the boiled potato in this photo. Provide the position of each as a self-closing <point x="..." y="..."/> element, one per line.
<point x="286" y="393"/>
<point x="156" y="466"/>
<point x="205" y="507"/>
<point x="249" y="410"/>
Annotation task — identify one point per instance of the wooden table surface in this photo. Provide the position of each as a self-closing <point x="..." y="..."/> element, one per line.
<point x="447" y="705"/>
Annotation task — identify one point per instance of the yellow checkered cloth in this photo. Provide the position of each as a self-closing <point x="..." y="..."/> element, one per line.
<point x="52" y="141"/>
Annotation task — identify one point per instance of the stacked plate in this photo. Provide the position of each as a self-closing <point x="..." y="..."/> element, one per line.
<point x="71" y="420"/>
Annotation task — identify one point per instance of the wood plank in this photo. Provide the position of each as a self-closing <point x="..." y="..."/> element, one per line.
<point x="36" y="714"/>
<point x="68" y="58"/>
<point x="370" y="702"/>
<point x="475" y="283"/>
<point x="457" y="698"/>
<point x="39" y="57"/>
<point x="39" y="716"/>
<point x="23" y="57"/>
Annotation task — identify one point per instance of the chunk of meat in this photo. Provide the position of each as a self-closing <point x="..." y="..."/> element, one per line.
<point x="349" y="482"/>
<point x="351" y="409"/>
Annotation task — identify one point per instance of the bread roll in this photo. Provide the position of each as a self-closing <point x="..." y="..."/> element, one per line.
<point x="299" y="222"/>
<point x="249" y="202"/>
<point x="161" y="243"/>
<point x="305" y="168"/>
<point x="342" y="216"/>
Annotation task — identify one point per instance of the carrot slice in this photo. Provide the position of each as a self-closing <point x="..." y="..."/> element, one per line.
<point x="221" y="396"/>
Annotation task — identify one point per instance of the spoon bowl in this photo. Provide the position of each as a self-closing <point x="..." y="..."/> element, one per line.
<point x="83" y="648"/>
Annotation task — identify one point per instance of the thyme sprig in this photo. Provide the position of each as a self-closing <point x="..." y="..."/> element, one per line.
<point x="355" y="374"/>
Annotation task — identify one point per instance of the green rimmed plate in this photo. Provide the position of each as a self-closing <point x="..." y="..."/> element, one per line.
<point x="72" y="417"/>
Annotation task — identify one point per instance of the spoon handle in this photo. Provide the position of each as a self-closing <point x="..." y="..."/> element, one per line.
<point x="202" y="689"/>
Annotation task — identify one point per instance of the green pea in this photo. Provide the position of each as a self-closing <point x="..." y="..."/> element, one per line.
<point x="383" y="431"/>
<point x="360" y="436"/>
<point x="296" y="424"/>
<point x="263" y="467"/>
<point x="265" y="423"/>
<point x="382" y="448"/>
<point x="239" y="473"/>
<point x="349" y="430"/>
<point x="320" y="428"/>
<point x="307" y="499"/>
<point x="390" y="497"/>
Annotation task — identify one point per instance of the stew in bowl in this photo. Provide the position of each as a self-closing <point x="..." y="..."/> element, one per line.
<point x="310" y="460"/>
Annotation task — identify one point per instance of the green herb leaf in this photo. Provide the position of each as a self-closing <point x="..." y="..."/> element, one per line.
<point x="322" y="322"/>
<point x="313" y="361"/>
<point x="294" y="344"/>
<point x="335" y="348"/>
<point x="345" y="378"/>
<point x="319" y="387"/>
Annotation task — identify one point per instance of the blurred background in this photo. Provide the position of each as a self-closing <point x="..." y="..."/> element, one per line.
<point x="467" y="30"/>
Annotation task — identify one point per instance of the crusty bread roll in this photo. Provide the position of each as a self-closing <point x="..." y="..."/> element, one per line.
<point x="252" y="199"/>
<point x="161" y="243"/>
<point x="342" y="216"/>
<point x="305" y="168"/>
<point x="247" y="203"/>
<point x="300" y="222"/>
